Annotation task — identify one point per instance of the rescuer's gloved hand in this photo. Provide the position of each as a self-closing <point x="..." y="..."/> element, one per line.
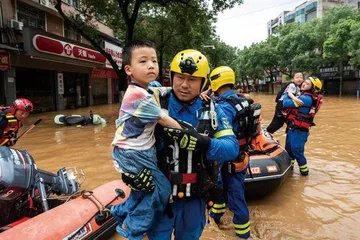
<point x="189" y="139"/>
<point x="139" y="182"/>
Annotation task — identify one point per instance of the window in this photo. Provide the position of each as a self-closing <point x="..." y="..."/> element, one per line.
<point x="71" y="33"/>
<point x="74" y="3"/>
<point x="30" y="16"/>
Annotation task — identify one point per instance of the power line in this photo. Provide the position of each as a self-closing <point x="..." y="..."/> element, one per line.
<point x="260" y="10"/>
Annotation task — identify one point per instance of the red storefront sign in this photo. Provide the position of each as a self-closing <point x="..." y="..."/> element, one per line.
<point x="60" y="48"/>
<point x="103" y="73"/>
<point x="4" y="60"/>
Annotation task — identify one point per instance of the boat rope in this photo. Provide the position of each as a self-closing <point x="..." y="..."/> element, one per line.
<point x="90" y="195"/>
<point x="84" y="194"/>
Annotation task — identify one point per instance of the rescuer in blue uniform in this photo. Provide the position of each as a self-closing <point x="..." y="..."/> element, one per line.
<point x="236" y="108"/>
<point x="189" y="155"/>
<point x="299" y="120"/>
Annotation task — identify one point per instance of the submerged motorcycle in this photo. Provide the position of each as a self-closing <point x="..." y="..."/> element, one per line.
<point x="79" y="119"/>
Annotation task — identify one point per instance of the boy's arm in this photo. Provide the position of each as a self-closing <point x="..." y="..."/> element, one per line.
<point x="223" y="147"/>
<point x="167" y="121"/>
<point x="295" y="99"/>
<point x="164" y="91"/>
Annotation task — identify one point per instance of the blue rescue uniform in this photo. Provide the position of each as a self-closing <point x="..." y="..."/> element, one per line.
<point x="234" y="183"/>
<point x="189" y="219"/>
<point x="296" y="137"/>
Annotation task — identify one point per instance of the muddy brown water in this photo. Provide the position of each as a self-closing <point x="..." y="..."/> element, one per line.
<point x="324" y="205"/>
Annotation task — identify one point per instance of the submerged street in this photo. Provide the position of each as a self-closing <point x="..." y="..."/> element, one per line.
<point x="324" y="205"/>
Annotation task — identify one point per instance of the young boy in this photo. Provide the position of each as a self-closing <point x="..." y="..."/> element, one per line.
<point x="292" y="90"/>
<point x="134" y="141"/>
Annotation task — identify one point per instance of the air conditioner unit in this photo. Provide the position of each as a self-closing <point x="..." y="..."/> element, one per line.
<point x="16" y="24"/>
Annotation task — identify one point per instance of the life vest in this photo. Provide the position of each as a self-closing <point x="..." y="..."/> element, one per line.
<point x="11" y="128"/>
<point x="191" y="175"/>
<point x="301" y="120"/>
<point x="248" y="117"/>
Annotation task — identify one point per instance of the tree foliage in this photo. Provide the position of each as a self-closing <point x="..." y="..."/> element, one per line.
<point x="333" y="39"/>
<point x="172" y="24"/>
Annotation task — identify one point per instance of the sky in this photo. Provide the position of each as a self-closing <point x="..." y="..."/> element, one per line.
<point x="247" y="23"/>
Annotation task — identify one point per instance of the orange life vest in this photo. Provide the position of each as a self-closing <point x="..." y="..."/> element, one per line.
<point x="303" y="120"/>
<point x="11" y="128"/>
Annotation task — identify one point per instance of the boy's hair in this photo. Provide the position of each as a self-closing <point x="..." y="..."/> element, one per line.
<point x="131" y="46"/>
<point x="297" y="73"/>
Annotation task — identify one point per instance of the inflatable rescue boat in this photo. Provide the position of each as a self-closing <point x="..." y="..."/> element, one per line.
<point x="269" y="165"/>
<point x="35" y="204"/>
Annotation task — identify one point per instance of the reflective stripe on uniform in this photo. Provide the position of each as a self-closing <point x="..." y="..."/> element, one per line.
<point x="222" y="133"/>
<point x="292" y="161"/>
<point x="218" y="208"/>
<point x="304" y="168"/>
<point x="242" y="228"/>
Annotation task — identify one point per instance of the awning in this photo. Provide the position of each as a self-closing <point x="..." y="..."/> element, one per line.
<point x="6" y="47"/>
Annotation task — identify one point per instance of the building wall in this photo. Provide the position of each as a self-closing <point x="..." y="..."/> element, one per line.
<point x="100" y="26"/>
<point x="350" y="87"/>
<point x="325" y="5"/>
<point x="300" y="15"/>
<point x="55" y="25"/>
<point x="310" y="16"/>
<point x="8" y="12"/>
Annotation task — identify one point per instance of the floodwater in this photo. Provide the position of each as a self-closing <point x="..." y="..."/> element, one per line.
<point x="324" y="205"/>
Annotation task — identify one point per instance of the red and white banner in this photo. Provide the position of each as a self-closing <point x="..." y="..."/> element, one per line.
<point x="4" y="60"/>
<point x="115" y="52"/>
<point x="60" y="48"/>
<point x="103" y="73"/>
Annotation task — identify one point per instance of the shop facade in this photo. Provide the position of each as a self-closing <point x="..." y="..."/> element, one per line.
<point x="54" y="73"/>
<point x="331" y="79"/>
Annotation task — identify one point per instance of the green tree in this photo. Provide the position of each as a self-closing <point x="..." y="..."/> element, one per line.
<point x="268" y="57"/>
<point x="163" y="28"/>
<point x="221" y="54"/>
<point x="241" y="71"/>
<point x="122" y="16"/>
<point x="355" y="45"/>
<point x="337" y="46"/>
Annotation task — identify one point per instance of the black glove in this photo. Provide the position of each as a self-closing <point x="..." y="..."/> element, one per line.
<point x="189" y="139"/>
<point x="140" y="182"/>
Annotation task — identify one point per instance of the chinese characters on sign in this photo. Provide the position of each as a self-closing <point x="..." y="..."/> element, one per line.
<point x="115" y="52"/>
<point x="60" y="80"/>
<point x="103" y="73"/>
<point x="333" y="72"/>
<point x="56" y="47"/>
<point x="4" y="60"/>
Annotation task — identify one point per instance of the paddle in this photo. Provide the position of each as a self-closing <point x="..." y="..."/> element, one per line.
<point x="29" y="129"/>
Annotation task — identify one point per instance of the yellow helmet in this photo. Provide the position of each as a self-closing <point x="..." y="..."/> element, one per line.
<point x="191" y="62"/>
<point x="221" y="76"/>
<point x="316" y="84"/>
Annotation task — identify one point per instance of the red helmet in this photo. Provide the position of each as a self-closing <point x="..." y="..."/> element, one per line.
<point x="22" y="104"/>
